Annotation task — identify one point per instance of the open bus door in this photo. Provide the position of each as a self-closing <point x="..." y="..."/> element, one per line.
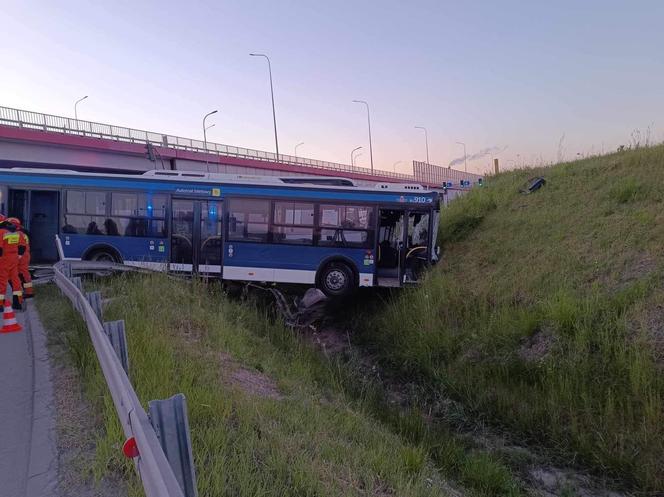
<point x="404" y="246"/>
<point x="39" y="212"/>
<point x="196" y="236"/>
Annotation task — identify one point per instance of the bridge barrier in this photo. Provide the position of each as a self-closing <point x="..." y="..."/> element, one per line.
<point x="67" y="125"/>
<point x="153" y="466"/>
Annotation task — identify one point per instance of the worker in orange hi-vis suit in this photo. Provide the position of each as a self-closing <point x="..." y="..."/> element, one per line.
<point x="3" y="277"/>
<point x="9" y="262"/>
<point x="23" y="259"/>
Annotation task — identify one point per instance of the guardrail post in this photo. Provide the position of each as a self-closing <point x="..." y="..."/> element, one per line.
<point x="115" y="331"/>
<point x="77" y="282"/>
<point x="66" y="269"/>
<point x="95" y="302"/>
<point x="171" y="423"/>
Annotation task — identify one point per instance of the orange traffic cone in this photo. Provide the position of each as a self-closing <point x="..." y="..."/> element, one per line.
<point x="9" y="323"/>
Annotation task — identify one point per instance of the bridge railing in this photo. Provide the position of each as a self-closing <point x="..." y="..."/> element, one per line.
<point x="67" y="125"/>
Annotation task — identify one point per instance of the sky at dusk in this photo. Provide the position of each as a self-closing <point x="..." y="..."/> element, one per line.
<point x="511" y="77"/>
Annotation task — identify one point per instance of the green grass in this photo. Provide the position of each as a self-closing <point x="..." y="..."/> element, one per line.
<point x="575" y="268"/>
<point x="330" y="433"/>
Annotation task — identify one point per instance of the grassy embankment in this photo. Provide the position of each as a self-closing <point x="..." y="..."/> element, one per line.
<point x="269" y="414"/>
<point x="546" y="313"/>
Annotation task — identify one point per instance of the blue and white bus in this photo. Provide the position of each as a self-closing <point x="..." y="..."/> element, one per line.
<point x="316" y="231"/>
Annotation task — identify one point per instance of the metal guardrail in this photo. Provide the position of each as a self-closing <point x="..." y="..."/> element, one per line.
<point x="152" y="465"/>
<point x="59" y="124"/>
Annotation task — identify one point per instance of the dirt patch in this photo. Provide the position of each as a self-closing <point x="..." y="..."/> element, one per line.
<point x="331" y="340"/>
<point x="636" y="269"/>
<point x="190" y="330"/>
<point x="250" y="381"/>
<point x="77" y="428"/>
<point x="537" y="346"/>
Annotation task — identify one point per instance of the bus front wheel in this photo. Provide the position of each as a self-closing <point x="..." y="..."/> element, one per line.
<point x="102" y="255"/>
<point x="336" y="279"/>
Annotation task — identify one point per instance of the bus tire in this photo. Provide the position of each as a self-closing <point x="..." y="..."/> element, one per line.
<point x="103" y="255"/>
<point x="336" y="279"/>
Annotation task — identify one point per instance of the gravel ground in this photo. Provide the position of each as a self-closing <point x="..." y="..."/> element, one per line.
<point x="76" y="429"/>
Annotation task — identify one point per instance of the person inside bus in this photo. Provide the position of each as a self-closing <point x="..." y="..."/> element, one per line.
<point x="136" y="227"/>
<point x="111" y="227"/>
<point x="93" y="229"/>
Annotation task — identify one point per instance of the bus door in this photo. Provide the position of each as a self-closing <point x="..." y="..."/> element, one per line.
<point x="403" y="246"/>
<point x="196" y="236"/>
<point x="39" y="212"/>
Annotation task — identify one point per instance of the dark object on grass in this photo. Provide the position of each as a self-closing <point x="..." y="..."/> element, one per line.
<point x="534" y="184"/>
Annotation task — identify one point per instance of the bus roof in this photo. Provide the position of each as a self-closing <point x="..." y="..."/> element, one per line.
<point x="303" y="182"/>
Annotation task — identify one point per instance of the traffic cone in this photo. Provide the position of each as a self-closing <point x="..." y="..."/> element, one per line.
<point x="9" y="323"/>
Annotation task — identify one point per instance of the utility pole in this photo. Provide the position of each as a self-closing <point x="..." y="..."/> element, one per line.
<point x="352" y="152"/>
<point x="76" y="109"/>
<point x="274" y="114"/>
<point x="205" y="129"/>
<point x="426" y="140"/>
<point x="369" y="123"/>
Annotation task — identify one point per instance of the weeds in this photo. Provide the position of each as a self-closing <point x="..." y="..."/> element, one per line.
<point x="326" y="433"/>
<point x="576" y="259"/>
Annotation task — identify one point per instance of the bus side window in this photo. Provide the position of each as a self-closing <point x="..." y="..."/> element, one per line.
<point x="251" y="219"/>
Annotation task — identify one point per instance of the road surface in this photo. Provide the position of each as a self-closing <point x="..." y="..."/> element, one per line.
<point x="28" y="450"/>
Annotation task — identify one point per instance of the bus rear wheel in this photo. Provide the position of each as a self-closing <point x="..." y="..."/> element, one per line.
<point x="336" y="279"/>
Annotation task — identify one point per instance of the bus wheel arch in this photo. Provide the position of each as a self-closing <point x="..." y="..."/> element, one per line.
<point x="102" y="253"/>
<point x="337" y="277"/>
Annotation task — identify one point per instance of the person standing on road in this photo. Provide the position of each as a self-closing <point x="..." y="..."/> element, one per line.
<point x="24" y="258"/>
<point x="9" y="262"/>
<point x="3" y="277"/>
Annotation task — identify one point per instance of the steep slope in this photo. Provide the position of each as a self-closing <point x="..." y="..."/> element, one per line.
<point x="546" y="313"/>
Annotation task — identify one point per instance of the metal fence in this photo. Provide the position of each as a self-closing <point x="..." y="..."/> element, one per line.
<point x="153" y="467"/>
<point x="430" y="174"/>
<point x="59" y="124"/>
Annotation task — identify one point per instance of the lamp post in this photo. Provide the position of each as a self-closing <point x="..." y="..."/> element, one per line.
<point x="394" y="166"/>
<point x="274" y="114"/>
<point x="426" y="140"/>
<point x="369" y="123"/>
<point x="205" y="129"/>
<point x="301" y="143"/>
<point x="352" y="152"/>
<point x="356" y="156"/>
<point x="76" y="109"/>
<point x="465" y="156"/>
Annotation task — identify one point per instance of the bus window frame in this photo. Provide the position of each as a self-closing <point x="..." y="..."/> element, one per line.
<point x="108" y="211"/>
<point x="372" y="228"/>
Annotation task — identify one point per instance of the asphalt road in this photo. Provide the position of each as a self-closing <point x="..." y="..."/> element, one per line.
<point x="28" y="450"/>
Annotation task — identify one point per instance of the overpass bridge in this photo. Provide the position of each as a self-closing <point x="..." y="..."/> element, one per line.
<point x="33" y="139"/>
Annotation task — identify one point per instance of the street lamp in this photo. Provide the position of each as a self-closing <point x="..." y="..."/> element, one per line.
<point x="301" y="143"/>
<point x="465" y="157"/>
<point x="369" y="123"/>
<point x="426" y="140"/>
<point x="352" y="152"/>
<point x="274" y="114"/>
<point x="394" y="166"/>
<point x="76" y="109"/>
<point x="356" y="156"/>
<point x="205" y="129"/>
